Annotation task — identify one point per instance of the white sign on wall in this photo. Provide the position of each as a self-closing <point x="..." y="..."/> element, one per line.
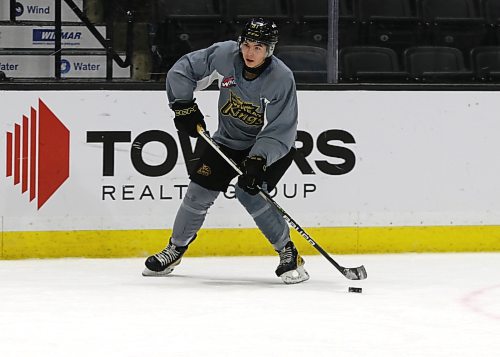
<point x="5" y="10"/>
<point x="36" y="37"/>
<point x="90" y="66"/>
<point x="367" y="159"/>
<point x="25" y="66"/>
<point x="72" y="66"/>
<point x="38" y="10"/>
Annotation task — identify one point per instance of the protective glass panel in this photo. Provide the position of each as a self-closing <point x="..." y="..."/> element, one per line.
<point x="370" y="41"/>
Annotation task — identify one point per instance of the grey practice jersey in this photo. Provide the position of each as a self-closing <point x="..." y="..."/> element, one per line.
<point x="259" y="113"/>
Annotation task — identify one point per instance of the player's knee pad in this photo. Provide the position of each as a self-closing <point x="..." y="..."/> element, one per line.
<point x="252" y="203"/>
<point x="198" y="198"/>
<point x="267" y="218"/>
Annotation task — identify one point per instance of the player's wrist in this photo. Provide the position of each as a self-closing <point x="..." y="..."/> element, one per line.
<point x="253" y="171"/>
<point x="187" y="117"/>
<point x="255" y="165"/>
<point x="183" y="109"/>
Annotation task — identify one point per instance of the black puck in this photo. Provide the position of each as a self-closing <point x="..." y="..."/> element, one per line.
<point x="355" y="290"/>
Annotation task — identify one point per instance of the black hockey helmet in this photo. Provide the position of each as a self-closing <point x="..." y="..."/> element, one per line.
<point x="262" y="31"/>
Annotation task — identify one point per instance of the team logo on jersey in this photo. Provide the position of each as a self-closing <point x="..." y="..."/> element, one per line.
<point x="245" y="111"/>
<point x="204" y="170"/>
<point x="228" y="82"/>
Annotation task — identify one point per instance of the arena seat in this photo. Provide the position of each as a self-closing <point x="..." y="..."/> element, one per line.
<point x="308" y="63"/>
<point x="453" y="23"/>
<point x="195" y="9"/>
<point x="491" y="11"/>
<point x="241" y="11"/>
<point x="436" y="63"/>
<point x="188" y="26"/>
<point x="359" y="63"/>
<point x="485" y="62"/>
<point x="237" y="13"/>
<point x="388" y="23"/>
<point x="311" y="23"/>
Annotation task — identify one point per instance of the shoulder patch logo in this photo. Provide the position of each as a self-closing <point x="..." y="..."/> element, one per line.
<point x="228" y="82"/>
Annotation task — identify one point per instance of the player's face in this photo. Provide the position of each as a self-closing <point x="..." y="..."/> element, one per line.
<point x="254" y="53"/>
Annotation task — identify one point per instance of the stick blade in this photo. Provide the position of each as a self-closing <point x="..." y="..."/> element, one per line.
<point x="358" y="273"/>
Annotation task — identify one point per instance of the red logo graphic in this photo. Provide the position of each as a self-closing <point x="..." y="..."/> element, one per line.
<point x="38" y="154"/>
<point x="228" y="82"/>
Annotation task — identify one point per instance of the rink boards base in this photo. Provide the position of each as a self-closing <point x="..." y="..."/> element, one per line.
<point x="250" y="242"/>
<point x="399" y="171"/>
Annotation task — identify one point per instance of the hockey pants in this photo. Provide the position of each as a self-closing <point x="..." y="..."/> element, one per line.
<point x="198" y="200"/>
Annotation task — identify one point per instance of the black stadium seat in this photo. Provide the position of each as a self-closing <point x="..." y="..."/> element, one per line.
<point x="491" y="11"/>
<point x="436" y="63"/>
<point x="189" y="25"/>
<point x="196" y="9"/>
<point x="388" y="23"/>
<point x="311" y="19"/>
<point x="453" y="23"/>
<point x="237" y="13"/>
<point x="486" y="62"/>
<point x="241" y="11"/>
<point x="308" y="63"/>
<point x="371" y="63"/>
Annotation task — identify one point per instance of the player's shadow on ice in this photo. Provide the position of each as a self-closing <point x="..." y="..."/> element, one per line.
<point x="227" y="281"/>
<point x="191" y="280"/>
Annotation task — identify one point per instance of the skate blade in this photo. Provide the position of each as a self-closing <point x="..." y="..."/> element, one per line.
<point x="295" y="276"/>
<point x="165" y="272"/>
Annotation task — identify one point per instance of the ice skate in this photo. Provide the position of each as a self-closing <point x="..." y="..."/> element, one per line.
<point x="163" y="263"/>
<point x="291" y="267"/>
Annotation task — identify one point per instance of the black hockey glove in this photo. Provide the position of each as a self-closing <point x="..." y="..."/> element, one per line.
<point x="254" y="169"/>
<point x="187" y="117"/>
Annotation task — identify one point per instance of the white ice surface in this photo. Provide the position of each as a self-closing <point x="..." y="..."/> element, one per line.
<point x="411" y="305"/>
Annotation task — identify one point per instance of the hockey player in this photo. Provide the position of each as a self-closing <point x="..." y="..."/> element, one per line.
<point x="257" y="126"/>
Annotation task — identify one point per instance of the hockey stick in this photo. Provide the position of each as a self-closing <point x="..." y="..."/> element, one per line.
<point x="358" y="273"/>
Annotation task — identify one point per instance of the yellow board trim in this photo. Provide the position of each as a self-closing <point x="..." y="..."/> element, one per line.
<point x="246" y="242"/>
